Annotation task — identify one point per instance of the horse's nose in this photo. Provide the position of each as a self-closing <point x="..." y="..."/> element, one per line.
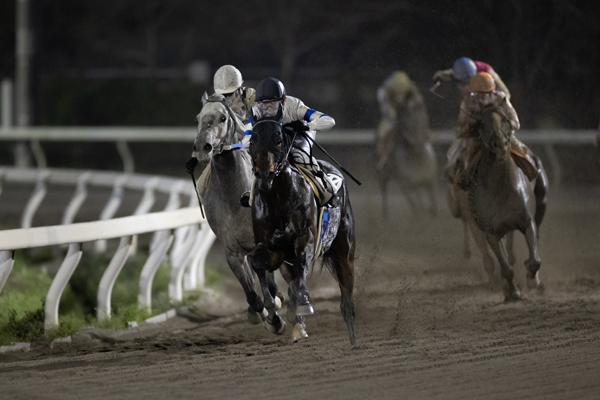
<point x="207" y="148"/>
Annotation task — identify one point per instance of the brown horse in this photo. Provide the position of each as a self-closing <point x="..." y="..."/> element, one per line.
<point x="502" y="199"/>
<point x="285" y="219"/>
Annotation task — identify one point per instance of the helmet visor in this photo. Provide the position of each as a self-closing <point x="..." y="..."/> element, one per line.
<point x="267" y="108"/>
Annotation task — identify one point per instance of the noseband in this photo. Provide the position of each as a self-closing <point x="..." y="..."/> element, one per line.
<point x="231" y="132"/>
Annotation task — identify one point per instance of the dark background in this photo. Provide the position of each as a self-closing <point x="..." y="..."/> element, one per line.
<point x="127" y="62"/>
<point x="133" y="62"/>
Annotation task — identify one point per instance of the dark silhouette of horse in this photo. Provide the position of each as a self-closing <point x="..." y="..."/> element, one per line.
<point x="502" y="199"/>
<point x="286" y="224"/>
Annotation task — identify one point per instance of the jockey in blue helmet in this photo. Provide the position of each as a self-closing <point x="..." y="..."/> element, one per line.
<point x="272" y="102"/>
<point x="463" y="69"/>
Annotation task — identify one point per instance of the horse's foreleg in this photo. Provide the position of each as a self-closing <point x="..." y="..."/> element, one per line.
<point x="432" y="189"/>
<point x="384" y="202"/>
<point x="466" y="247"/>
<point x="511" y="293"/>
<point x="264" y="261"/>
<point x="533" y="263"/>
<point x="256" y="310"/>
<point x="299" y="330"/>
<point x="482" y="245"/>
<point x="510" y="238"/>
<point x="303" y="247"/>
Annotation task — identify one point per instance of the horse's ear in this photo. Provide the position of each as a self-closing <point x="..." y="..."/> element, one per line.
<point x="204" y="98"/>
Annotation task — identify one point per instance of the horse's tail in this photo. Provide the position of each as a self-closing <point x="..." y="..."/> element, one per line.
<point x="327" y="264"/>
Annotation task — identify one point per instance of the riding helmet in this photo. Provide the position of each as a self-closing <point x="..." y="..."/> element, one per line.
<point x="270" y="89"/>
<point x="482" y="82"/>
<point x="463" y="69"/>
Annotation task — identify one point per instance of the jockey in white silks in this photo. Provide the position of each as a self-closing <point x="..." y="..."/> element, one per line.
<point x="228" y="83"/>
<point x="273" y="103"/>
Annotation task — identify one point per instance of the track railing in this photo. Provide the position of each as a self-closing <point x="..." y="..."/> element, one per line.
<point x="179" y="233"/>
<point x="548" y="138"/>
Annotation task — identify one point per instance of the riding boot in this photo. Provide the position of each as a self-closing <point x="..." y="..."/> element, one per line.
<point x="324" y="185"/>
<point x="248" y="196"/>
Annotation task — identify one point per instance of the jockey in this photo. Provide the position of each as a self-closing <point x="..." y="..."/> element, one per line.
<point x="400" y="102"/>
<point x="228" y="83"/>
<point x="483" y="94"/>
<point x="463" y="69"/>
<point x="273" y="103"/>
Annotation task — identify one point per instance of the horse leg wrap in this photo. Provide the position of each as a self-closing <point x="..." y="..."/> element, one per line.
<point x="299" y="332"/>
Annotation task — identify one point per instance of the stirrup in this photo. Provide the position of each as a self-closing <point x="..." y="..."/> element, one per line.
<point x="245" y="199"/>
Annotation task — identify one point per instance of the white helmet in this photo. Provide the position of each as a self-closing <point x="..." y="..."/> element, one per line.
<point x="227" y="79"/>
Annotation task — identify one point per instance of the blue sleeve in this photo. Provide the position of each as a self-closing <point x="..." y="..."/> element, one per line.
<point x="308" y="113"/>
<point x="248" y="130"/>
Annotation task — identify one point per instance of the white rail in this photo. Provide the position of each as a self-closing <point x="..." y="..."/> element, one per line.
<point x="187" y="135"/>
<point x="121" y="135"/>
<point x="187" y="253"/>
<point x="76" y="234"/>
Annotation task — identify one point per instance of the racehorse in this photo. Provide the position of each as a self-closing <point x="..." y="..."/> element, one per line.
<point x="287" y="228"/>
<point x="409" y="161"/>
<point x="458" y="202"/>
<point x="217" y="146"/>
<point x="502" y="199"/>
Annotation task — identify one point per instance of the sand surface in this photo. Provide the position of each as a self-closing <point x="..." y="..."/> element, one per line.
<point x="428" y="326"/>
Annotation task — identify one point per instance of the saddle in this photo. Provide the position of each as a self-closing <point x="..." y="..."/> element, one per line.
<point x="335" y="180"/>
<point x="522" y="157"/>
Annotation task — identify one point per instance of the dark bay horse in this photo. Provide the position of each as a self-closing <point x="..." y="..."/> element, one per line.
<point x="285" y="219"/>
<point x="217" y="146"/>
<point x="502" y="199"/>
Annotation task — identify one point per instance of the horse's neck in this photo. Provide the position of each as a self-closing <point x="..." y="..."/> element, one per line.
<point x="230" y="171"/>
<point x="282" y="190"/>
<point x="492" y="169"/>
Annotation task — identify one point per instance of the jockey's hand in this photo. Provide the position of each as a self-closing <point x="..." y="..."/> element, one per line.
<point x="295" y="126"/>
<point x="443" y="75"/>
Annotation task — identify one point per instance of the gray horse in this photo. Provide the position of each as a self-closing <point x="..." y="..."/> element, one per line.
<point x="502" y="199"/>
<point x="411" y="162"/>
<point x="227" y="174"/>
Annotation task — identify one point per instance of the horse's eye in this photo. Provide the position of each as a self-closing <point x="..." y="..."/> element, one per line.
<point x="223" y="118"/>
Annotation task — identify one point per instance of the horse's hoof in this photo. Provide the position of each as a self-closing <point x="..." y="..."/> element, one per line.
<point x="534" y="282"/>
<point x="305" y="309"/>
<point x="511" y="297"/>
<point x="299" y="332"/>
<point x="256" y="318"/>
<point x="290" y="315"/>
<point x="277" y="329"/>
<point x="281" y="297"/>
<point x="277" y="301"/>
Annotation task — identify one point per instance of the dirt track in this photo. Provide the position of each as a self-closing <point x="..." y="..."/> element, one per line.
<point x="428" y="327"/>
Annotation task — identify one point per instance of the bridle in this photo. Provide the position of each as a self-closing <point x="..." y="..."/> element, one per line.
<point x="282" y="156"/>
<point x="231" y="131"/>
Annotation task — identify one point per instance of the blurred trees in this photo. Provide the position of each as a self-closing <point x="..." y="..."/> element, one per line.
<point x="332" y="54"/>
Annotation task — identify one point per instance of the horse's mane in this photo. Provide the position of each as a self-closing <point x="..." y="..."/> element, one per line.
<point x="215" y="98"/>
<point x="488" y="125"/>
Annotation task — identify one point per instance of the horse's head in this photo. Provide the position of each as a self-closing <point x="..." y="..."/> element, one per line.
<point x="495" y="132"/>
<point x="268" y="148"/>
<point x="216" y="128"/>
